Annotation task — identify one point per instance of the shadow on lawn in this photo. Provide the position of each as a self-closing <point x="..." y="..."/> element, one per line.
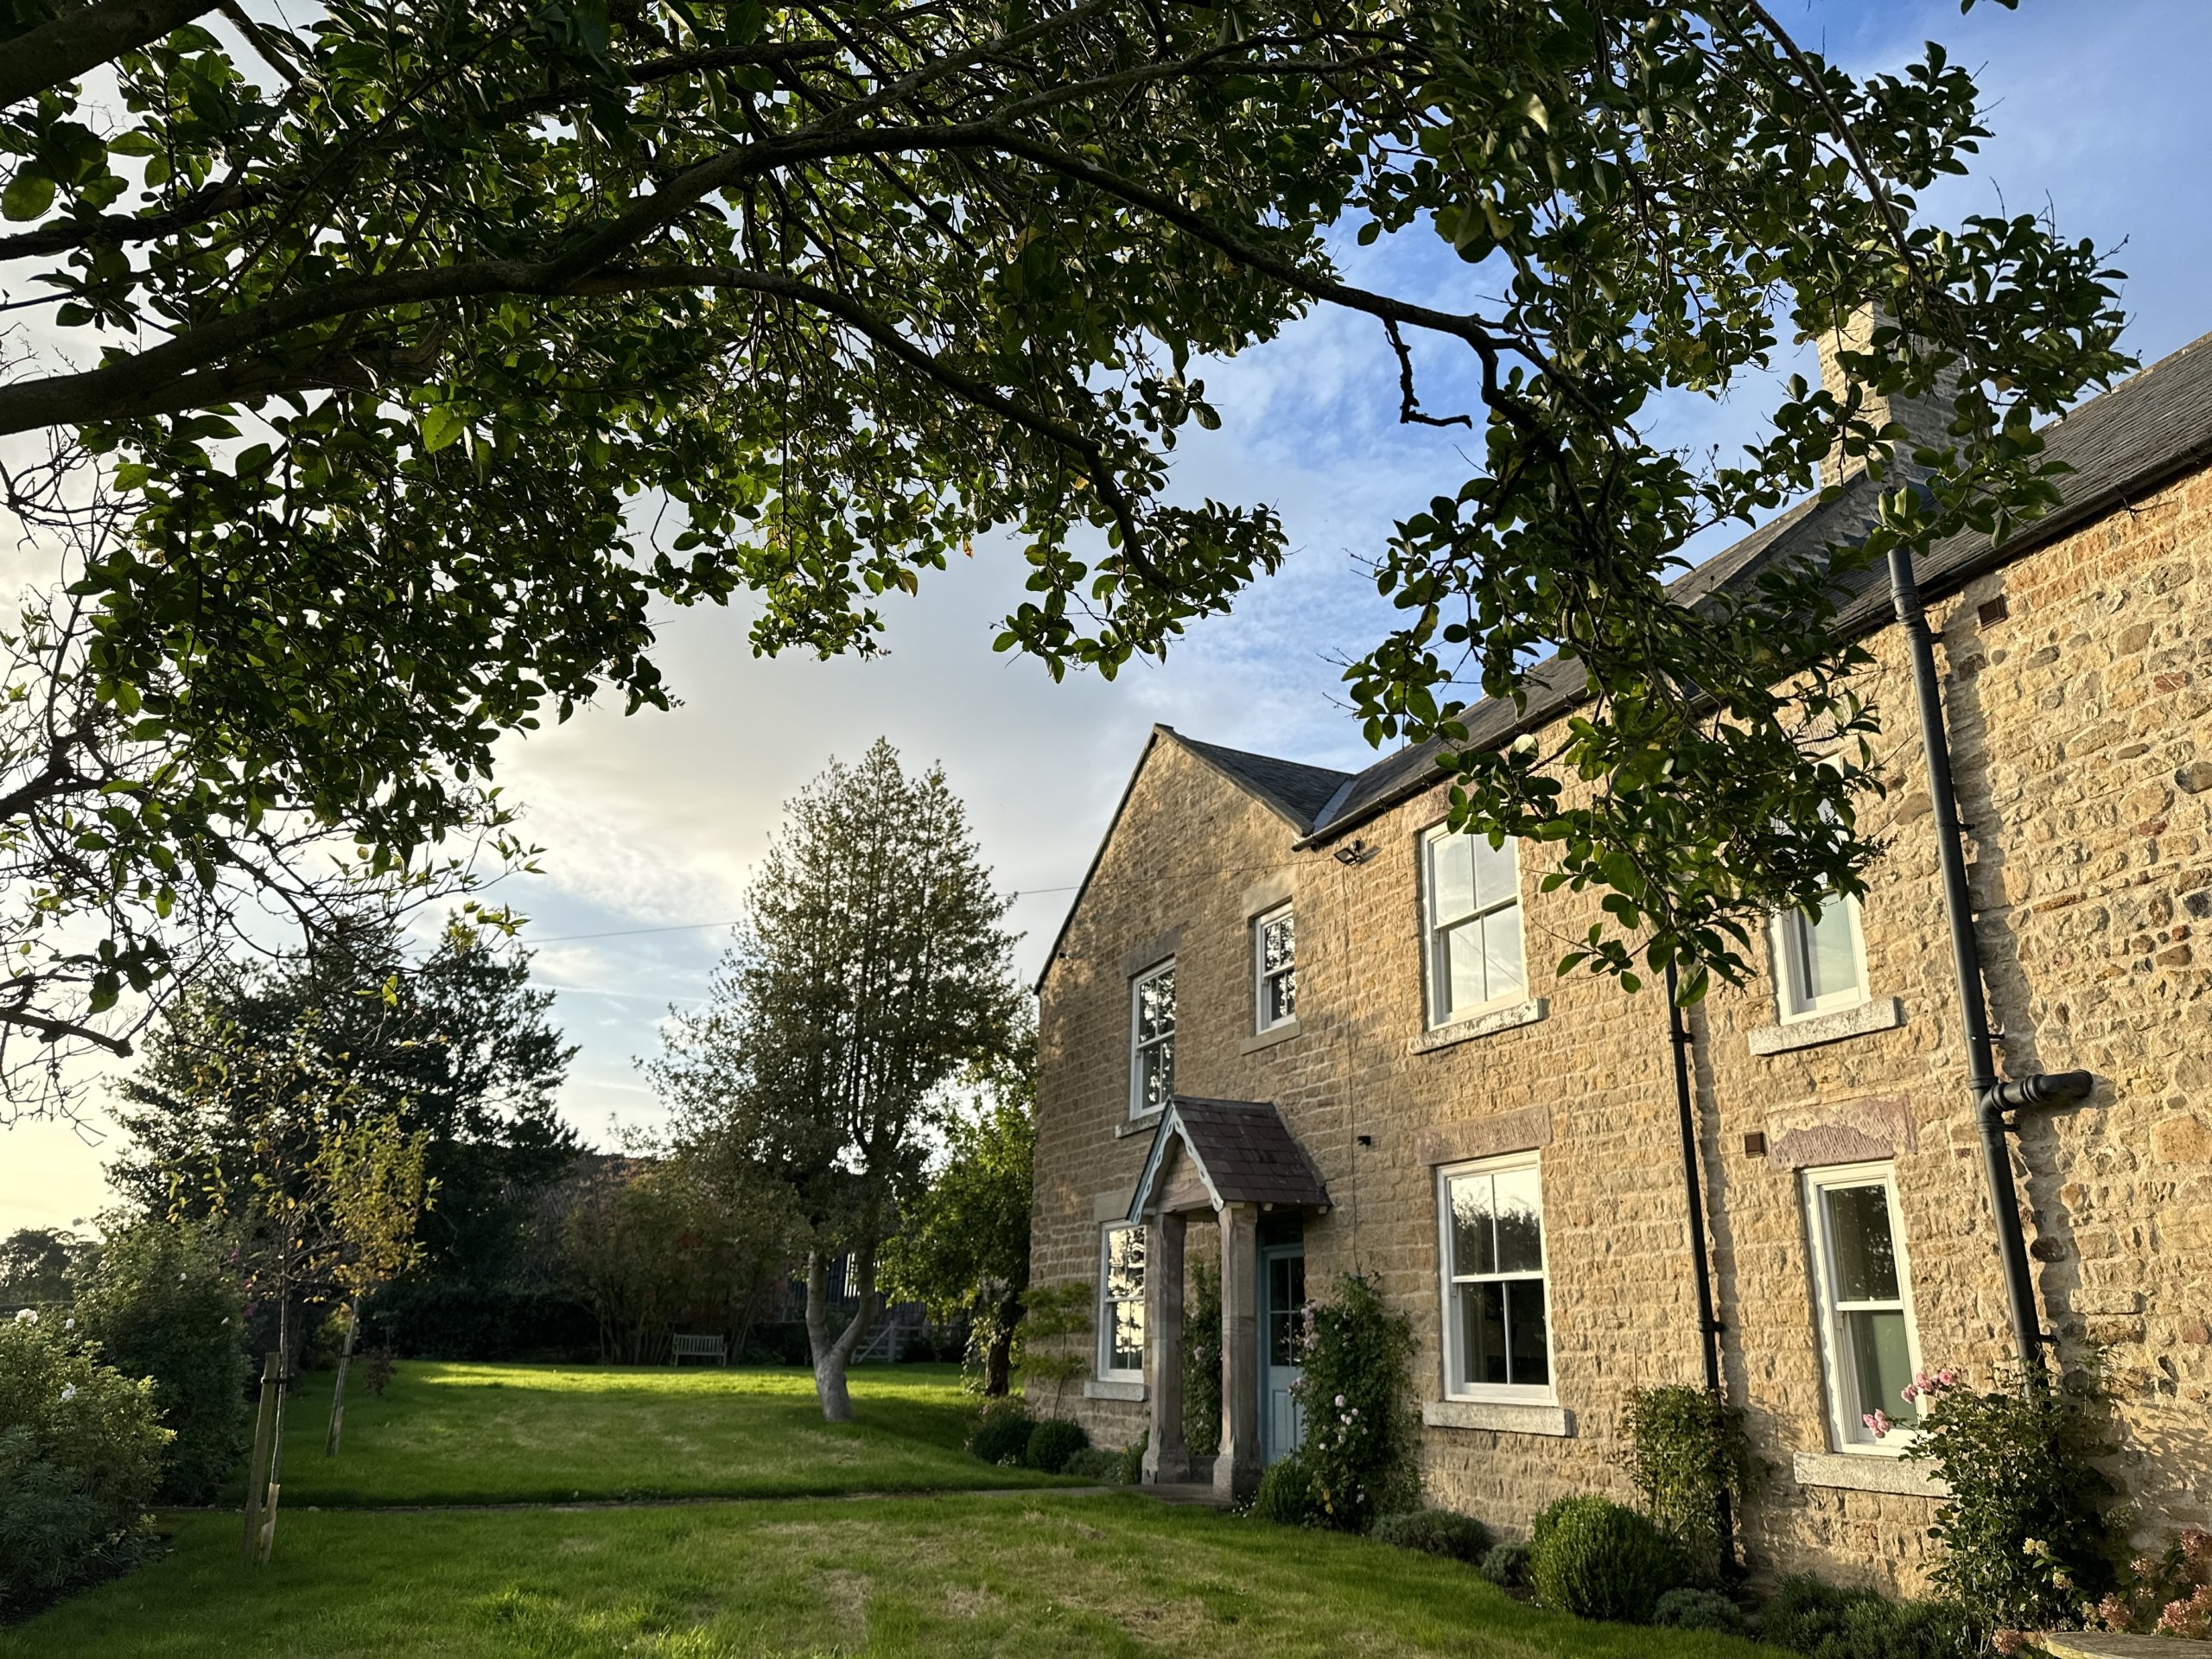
<point x="449" y="1432"/>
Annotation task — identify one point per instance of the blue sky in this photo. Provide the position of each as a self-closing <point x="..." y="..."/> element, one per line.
<point x="653" y="822"/>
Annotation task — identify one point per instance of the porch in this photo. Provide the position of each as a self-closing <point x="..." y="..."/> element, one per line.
<point x="1235" y="1166"/>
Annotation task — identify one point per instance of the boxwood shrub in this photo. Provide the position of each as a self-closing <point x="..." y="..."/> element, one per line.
<point x="1596" y="1559"/>
<point x="1053" y="1442"/>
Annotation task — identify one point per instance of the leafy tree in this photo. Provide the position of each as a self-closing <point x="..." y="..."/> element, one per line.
<point x="40" y="1266"/>
<point x="654" y="1243"/>
<point x="870" y="972"/>
<point x="1049" y="1344"/>
<point x="320" y="1188"/>
<point x="458" y="1048"/>
<point x="851" y="286"/>
<point x="963" y="1250"/>
<point x="165" y="1303"/>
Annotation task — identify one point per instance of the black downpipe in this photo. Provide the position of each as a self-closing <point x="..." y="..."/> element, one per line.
<point x="1700" y="1270"/>
<point x="1991" y="1098"/>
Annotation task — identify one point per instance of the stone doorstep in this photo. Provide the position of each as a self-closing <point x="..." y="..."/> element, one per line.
<point x="2100" y="1644"/>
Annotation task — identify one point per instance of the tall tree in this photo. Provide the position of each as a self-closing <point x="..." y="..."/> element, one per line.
<point x="457" y="1045"/>
<point x="851" y="286"/>
<point x="870" y="971"/>
<point x="964" y="1249"/>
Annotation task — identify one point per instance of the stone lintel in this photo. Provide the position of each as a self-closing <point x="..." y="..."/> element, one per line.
<point x="1525" y="1130"/>
<point x="1867" y="1472"/>
<point x="1154" y="951"/>
<point x="1498" y="1417"/>
<point x="1266" y="893"/>
<point x="1877" y="1014"/>
<point x="1870" y="1129"/>
<point x="2104" y="1645"/>
<point x="1508" y="1018"/>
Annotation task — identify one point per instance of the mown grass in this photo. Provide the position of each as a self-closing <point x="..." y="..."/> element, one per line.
<point x="950" y="1578"/>
<point x="465" y="1434"/>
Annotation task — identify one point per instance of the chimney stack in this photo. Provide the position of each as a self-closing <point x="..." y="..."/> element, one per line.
<point x="1927" y="418"/>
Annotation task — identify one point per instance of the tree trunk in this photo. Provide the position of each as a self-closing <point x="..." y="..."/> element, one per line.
<point x="998" y="1357"/>
<point x="338" y="1388"/>
<point x="831" y="1356"/>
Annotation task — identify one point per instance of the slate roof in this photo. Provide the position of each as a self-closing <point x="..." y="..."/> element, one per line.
<point x="1243" y="1151"/>
<point x="2124" y="443"/>
<point x="1292" y="788"/>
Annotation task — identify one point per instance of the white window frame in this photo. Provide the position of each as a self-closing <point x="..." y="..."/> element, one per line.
<point x="1786" y="939"/>
<point x="1107" y="1372"/>
<point x="1454" y="1361"/>
<point x="1138" y="1044"/>
<point x="1281" y="912"/>
<point x="1846" y="1433"/>
<point x="1436" y="967"/>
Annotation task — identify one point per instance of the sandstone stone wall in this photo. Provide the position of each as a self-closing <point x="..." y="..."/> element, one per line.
<point x="2079" y="682"/>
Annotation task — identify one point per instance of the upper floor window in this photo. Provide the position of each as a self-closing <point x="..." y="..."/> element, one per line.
<point x="1120" y="1302"/>
<point x="1496" y="1331"/>
<point x="1152" y="1039"/>
<point x="1820" y="958"/>
<point x="1274" y="967"/>
<point x="1868" y="1346"/>
<point x="1472" y="898"/>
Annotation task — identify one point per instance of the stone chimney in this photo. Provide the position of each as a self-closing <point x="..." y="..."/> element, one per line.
<point x="1927" y="419"/>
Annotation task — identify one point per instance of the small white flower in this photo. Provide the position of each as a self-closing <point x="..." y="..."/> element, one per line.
<point x="27" y="1316"/>
<point x="1340" y="1402"/>
<point x="69" y="1324"/>
<point x="68" y="1392"/>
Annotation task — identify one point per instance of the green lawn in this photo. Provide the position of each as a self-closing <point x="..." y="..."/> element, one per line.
<point x="1044" y="1575"/>
<point x="461" y="1433"/>
<point x="1030" y="1571"/>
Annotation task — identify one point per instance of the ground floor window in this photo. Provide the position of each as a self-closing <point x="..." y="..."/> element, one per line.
<point x="1120" y="1302"/>
<point x="1864" y="1291"/>
<point x="1496" y="1314"/>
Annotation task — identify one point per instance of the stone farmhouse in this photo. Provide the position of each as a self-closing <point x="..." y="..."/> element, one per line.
<point x="1293" y="1029"/>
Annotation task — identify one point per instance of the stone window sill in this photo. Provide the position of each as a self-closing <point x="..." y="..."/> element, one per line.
<point x="1270" y="1038"/>
<point x="1144" y="1125"/>
<point x="1867" y="1472"/>
<point x="1878" y="1014"/>
<point x="1094" y="1389"/>
<point x="1498" y="1417"/>
<point x="1482" y="1025"/>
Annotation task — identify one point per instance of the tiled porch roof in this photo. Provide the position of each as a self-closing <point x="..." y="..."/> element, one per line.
<point x="1242" y="1150"/>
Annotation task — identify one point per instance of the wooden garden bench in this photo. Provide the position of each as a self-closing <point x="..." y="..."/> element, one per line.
<point x="683" y="1347"/>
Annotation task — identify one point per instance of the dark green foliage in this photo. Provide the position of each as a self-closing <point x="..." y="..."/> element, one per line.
<point x="1132" y="1459"/>
<point x="1202" y="1360"/>
<point x="41" y="1266"/>
<point x="165" y="1303"/>
<point x="1002" y="1436"/>
<point x="1436" y="1532"/>
<point x="458" y="1319"/>
<point x="1690" y="1608"/>
<point x="1825" y="1622"/>
<point x="963" y="1250"/>
<point x="80" y="1451"/>
<point x="1596" y="1559"/>
<point x="2027" y="1534"/>
<point x="1094" y="1463"/>
<point x="1052" y="1443"/>
<point x="1361" y="1433"/>
<point x="458" y="1044"/>
<point x="1506" y="1565"/>
<point x="1686" y="1448"/>
<point x="1288" y="1494"/>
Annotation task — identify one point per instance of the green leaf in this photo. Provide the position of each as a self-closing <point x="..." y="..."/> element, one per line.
<point x="28" y="195"/>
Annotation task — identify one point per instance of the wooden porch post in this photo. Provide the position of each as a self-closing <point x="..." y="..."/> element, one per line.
<point x="1167" y="1460"/>
<point x="1236" y="1470"/>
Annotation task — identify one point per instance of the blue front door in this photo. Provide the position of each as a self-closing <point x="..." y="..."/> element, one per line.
<point x="1283" y="1298"/>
